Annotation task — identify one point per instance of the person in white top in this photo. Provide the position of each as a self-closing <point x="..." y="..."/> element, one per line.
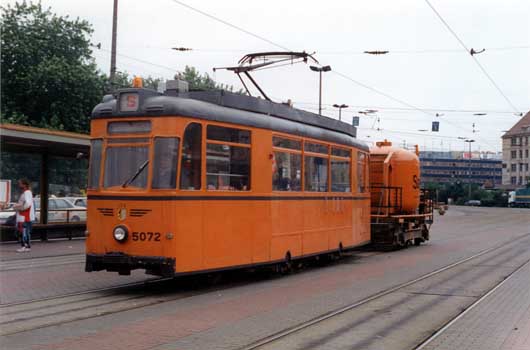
<point x="25" y="214"/>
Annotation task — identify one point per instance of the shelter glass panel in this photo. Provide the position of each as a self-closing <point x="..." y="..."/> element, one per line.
<point x="67" y="182"/>
<point x="14" y="166"/>
<point x="288" y="173"/>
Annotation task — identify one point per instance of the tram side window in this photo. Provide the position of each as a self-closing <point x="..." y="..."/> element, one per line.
<point x="219" y="133"/>
<point x="340" y="170"/>
<point x="95" y="163"/>
<point x="287" y="176"/>
<point x="190" y="164"/>
<point x="361" y="172"/>
<point x="340" y="175"/>
<point x="316" y="174"/>
<point x="165" y="163"/>
<point x="286" y="143"/>
<point x="227" y="165"/>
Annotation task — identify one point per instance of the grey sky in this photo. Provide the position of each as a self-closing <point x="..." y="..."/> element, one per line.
<point x="338" y="31"/>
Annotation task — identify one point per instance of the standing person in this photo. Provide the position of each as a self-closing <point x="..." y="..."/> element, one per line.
<point x="25" y="214"/>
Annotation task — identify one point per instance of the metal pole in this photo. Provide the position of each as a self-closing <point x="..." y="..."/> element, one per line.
<point x="44" y="193"/>
<point x="340" y="110"/>
<point x="320" y="94"/>
<point x="113" y="48"/>
<point x="469" y="174"/>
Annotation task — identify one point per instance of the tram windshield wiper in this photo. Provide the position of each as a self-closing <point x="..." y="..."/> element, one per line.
<point x="138" y="172"/>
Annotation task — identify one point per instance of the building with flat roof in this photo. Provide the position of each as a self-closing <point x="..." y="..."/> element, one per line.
<point x="485" y="172"/>
<point x="516" y="158"/>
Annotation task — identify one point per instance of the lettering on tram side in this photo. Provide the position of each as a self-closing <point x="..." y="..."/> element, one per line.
<point x="146" y="236"/>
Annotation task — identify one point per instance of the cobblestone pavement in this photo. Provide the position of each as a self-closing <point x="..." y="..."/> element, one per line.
<point x="238" y="315"/>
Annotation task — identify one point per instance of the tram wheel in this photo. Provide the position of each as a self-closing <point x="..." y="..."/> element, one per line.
<point x="286" y="267"/>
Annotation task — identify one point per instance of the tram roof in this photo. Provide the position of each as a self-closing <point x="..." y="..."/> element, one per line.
<point x="228" y="107"/>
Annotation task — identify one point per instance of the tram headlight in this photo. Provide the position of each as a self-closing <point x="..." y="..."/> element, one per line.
<point x="120" y="233"/>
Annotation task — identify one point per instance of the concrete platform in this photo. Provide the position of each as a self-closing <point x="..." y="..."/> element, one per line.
<point x="500" y="321"/>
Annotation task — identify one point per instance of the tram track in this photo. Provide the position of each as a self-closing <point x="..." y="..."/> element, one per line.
<point x="35" y="314"/>
<point x="29" y="315"/>
<point x="424" y="344"/>
<point x="41" y="262"/>
<point x="303" y="335"/>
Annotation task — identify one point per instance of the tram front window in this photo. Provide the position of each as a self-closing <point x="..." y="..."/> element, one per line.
<point x="123" y="163"/>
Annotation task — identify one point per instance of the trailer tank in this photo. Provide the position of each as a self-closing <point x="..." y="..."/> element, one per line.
<point x="395" y="179"/>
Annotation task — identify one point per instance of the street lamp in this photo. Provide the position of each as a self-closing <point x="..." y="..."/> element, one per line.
<point x="424" y="141"/>
<point x="469" y="170"/>
<point x="320" y="70"/>
<point x="340" y="107"/>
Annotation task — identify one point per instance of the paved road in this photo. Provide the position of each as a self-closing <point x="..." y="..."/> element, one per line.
<point x="51" y="268"/>
<point x="235" y="314"/>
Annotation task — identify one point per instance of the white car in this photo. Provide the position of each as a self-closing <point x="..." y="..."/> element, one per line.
<point x="61" y="210"/>
<point x="77" y="201"/>
<point x="8" y="215"/>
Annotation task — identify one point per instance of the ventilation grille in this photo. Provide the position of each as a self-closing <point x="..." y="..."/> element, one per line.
<point x="139" y="212"/>
<point x="106" y="211"/>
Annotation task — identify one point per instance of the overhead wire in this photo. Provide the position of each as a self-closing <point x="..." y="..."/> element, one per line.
<point x="229" y="24"/>
<point x="379" y="92"/>
<point x="472" y="56"/>
<point x="340" y="53"/>
<point x="132" y="67"/>
<point x="406" y="109"/>
<point x="173" y="69"/>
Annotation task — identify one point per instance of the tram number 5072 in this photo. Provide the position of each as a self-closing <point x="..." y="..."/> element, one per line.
<point x="146" y="236"/>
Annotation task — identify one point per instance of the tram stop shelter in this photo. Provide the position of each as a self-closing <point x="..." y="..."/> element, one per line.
<point x="56" y="164"/>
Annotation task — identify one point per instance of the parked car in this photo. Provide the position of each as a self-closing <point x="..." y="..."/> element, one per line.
<point x="473" y="203"/>
<point x="77" y="201"/>
<point x="8" y="216"/>
<point x="58" y="209"/>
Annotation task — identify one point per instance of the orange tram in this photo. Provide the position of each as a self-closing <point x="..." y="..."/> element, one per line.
<point x="186" y="182"/>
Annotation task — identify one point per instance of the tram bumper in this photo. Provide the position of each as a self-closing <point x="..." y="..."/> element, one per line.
<point x="123" y="264"/>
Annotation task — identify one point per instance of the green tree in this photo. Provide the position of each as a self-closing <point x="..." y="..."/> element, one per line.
<point x="203" y="81"/>
<point x="123" y="80"/>
<point x="48" y="76"/>
<point x="196" y="80"/>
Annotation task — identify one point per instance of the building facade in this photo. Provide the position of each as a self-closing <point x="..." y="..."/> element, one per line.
<point x="516" y="154"/>
<point x="485" y="172"/>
